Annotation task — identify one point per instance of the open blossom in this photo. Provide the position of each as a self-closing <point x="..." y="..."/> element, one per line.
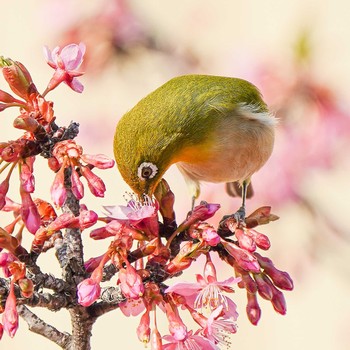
<point x="141" y="215"/>
<point x="65" y="61"/>
<point x="207" y="292"/>
<point x="218" y="329"/>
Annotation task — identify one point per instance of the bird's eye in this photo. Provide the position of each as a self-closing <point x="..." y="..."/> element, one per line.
<point x="147" y="171"/>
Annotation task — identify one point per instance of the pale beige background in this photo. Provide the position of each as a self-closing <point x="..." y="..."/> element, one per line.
<point x="319" y="308"/>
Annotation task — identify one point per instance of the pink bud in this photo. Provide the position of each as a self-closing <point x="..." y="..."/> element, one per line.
<point x="10" y="315"/>
<point x="58" y="189"/>
<point x="12" y="152"/>
<point x="54" y="164"/>
<point x="166" y="199"/>
<point x="19" y="79"/>
<point x="261" y="240"/>
<point x="244" y="259"/>
<point x="29" y="212"/>
<point x="1" y="330"/>
<point x="26" y="175"/>
<point x="210" y="236"/>
<point x="203" y="211"/>
<point x="77" y="186"/>
<point x="65" y="220"/>
<point x="143" y="330"/>
<point x="278" y="302"/>
<point x="253" y="309"/>
<point x="245" y="241"/>
<point x="264" y="288"/>
<point x="98" y="160"/>
<point x="93" y="263"/>
<point x="7" y="98"/>
<point x="156" y="340"/>
<point x="131" y="282"/>
<point x="26" y="123"/>
<point x="95" y="183"/>
<point x="280" y="278"/>
<point x="100" y="233"/>
<point x="89" y="291"/>
<point x="4" y="187"/>
<point x="87" y="218"/>
<point x="177" y="329"/>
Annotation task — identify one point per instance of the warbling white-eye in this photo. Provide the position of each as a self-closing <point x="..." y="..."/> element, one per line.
<point x="215" y="129"/>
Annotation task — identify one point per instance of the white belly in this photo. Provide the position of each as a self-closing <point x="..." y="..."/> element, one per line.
<point x="241" y="147"/>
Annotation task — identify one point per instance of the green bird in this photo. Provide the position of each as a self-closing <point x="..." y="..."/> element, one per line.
<point x="215" y="129"/>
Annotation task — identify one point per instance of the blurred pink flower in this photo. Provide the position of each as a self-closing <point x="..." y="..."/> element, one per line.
<point x="65" y="62"/>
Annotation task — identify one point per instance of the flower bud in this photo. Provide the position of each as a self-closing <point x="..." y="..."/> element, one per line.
<point x="26" y="123"/>
<point x="281" y="279"/>
<point x="26" y="175"/>
<point x="18" y="78"/>
<point x="244" y="259"/>
<point x="7" y="98"/>
<point x="77" y="186"/>
<point x="29" y="212"/>
<point x="10" y="315"/>
<point x="245" y="240"/>
<point x="100" y="161"/>
<point x="4" y="187"/>
<point x="253" y="309"/>
<point x="87" y="218"/>
<point x="130" y="282"/>
<point x="58" y="189"/>
<point x="278" y="302"/>
<point x="143" y="330"/>
<point x="12" y="152"/>
<point x="95" y="183"/>
<point x="166" y="199"/>
<point x="26" y="286"/>
<point x="156" y="340"/>
<point x="264" y="288"/>
<point x="89" y="291"/>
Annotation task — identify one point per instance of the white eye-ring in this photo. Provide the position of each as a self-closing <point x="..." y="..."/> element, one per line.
<point x="147" y="171"/>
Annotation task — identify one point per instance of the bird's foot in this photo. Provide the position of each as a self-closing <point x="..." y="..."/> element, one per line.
<point x="239" y="216"/>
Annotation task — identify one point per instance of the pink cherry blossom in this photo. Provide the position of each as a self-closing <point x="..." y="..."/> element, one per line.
<point x="143" y="215"/>
<point x="218" y="329"/>
<point x="65" y="61"/>
<point x="207" y="292"/>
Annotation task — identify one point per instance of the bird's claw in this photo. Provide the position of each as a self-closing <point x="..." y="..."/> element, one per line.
<point x="239" y="216"/>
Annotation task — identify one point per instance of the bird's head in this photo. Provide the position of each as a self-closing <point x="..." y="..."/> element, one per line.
<point x="142" y="155"/>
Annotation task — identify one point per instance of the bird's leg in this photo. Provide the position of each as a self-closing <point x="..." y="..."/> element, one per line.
<point x="239" y="215"/>
<point x="193" y="202"/>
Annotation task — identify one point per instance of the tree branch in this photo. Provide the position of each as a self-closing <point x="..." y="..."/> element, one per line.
<point x="38" y="326"/>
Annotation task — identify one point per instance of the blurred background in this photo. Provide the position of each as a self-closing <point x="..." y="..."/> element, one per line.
<point x="297" y="52"/>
